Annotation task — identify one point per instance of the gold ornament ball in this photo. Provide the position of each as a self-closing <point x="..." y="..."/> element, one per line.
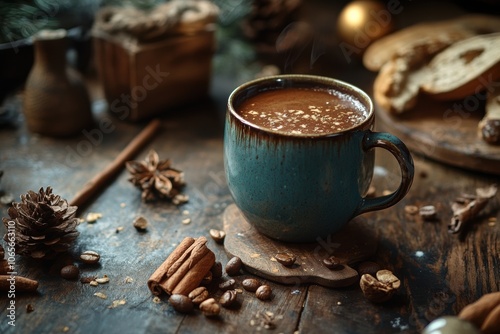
<point x="362" y="22"/>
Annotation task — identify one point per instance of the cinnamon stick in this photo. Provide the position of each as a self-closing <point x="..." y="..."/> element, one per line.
<point x="469" y="208"/>
<point x="160" y="274"/>
<point x="99" y="180"/>
<point x="20" y="283"/>
<point x="184" y="268"/>
<point x="4" y="267"/>
<point x="191" y="280"/>
<point x="195" y="252"/>
<point x="175" y="278"/>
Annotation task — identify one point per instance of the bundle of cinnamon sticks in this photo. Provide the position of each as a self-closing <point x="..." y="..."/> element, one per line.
<point x="184" y="268"/>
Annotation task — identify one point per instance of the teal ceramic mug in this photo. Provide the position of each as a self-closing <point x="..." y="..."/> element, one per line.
<point x="300" y="186"/>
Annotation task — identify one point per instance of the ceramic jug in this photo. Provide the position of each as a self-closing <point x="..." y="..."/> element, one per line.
<point x="56" y="101"/>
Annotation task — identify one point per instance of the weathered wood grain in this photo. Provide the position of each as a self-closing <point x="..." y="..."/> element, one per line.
<point x="440" y="272"/>
<point x="447" y="132"/>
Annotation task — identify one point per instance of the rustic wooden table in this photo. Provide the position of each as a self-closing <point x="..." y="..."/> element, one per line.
<point x="440" y="272"/>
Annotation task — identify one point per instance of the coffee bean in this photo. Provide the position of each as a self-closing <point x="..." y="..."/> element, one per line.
<point x="333" y="263"/>
<point x="29" y="308"/>
<point x="233" y="266"/>
<point x="217" y="235"/>
<point x="140" y="224"/>
<point x="181" y="303"/>
<point x="250" y="284"/>
<point x="210" y="308"/>
<point x="286" y="259"/>
<point x="70" y="272"/>
<point x="264" y="292"/>
<point x="428" y="212"/>
<point x="216" y="270"/>
<point x="228" y="298"/>
<point x="227" y="285"/>
<point x="90" y="257"/>
<point x="198" y="295"/>
<point x="368" y="267"/>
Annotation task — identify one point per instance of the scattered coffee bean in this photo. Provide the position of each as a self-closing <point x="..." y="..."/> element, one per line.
<point x="216" y="270"/>
<point x="207" y="279"/>
<point x="228" y="298"/>
<point x="286" y="259"/>
<point x="368" y="267"/>
<point x="70" y="272"/>
<point x="428" y="212"/>
<point x="181" y="303"/>
<point x="233" y="266"/>
<point x="29" y="308"/>
<point x="210" y="308"/>
<point x="217" y="235"/>
<point x="264" y="292"/>
<point x="333" y="263"/>
<point x="198" y="295"/>
<point x="227" y="285"/>
<point x="140" y="224"/>
<point x="90" y="257"/>
<point x="411" y="209"/>
<point x="381" y="288"/>
<point x="250" y="284"/>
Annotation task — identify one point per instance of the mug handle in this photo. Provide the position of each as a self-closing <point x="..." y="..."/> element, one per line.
<point x="399" y="150"/>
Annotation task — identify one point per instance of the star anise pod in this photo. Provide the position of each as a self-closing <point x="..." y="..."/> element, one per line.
<point x="156" y="178"/>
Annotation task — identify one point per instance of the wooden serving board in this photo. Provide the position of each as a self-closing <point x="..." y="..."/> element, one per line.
<point x="444" y="131"/>
<point x="352" y="244"/>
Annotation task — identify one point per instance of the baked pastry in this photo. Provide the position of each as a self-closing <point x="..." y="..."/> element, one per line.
<point x="465" y="68"/>
<point x="442" y="32"/>
<point x="489" y="126"/>
<point x="397" y="85"/>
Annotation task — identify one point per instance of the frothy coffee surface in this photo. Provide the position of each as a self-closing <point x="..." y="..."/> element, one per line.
<point x="305" y="111"/>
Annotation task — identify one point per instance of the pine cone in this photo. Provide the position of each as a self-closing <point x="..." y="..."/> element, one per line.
<point x="156" y="178"/>
<point x="45" y="224"/>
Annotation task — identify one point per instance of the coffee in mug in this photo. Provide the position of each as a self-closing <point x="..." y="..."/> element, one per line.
<point x="299" y="155"/>
<point x="303" y="111"/>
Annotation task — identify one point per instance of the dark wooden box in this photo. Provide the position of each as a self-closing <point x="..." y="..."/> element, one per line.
<point x="141" y="80"/>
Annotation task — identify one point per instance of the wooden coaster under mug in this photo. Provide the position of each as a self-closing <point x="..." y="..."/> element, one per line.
<point x="352" y="244"/>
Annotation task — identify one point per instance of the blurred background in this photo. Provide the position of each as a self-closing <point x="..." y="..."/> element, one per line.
<point x="252" y="38"/>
